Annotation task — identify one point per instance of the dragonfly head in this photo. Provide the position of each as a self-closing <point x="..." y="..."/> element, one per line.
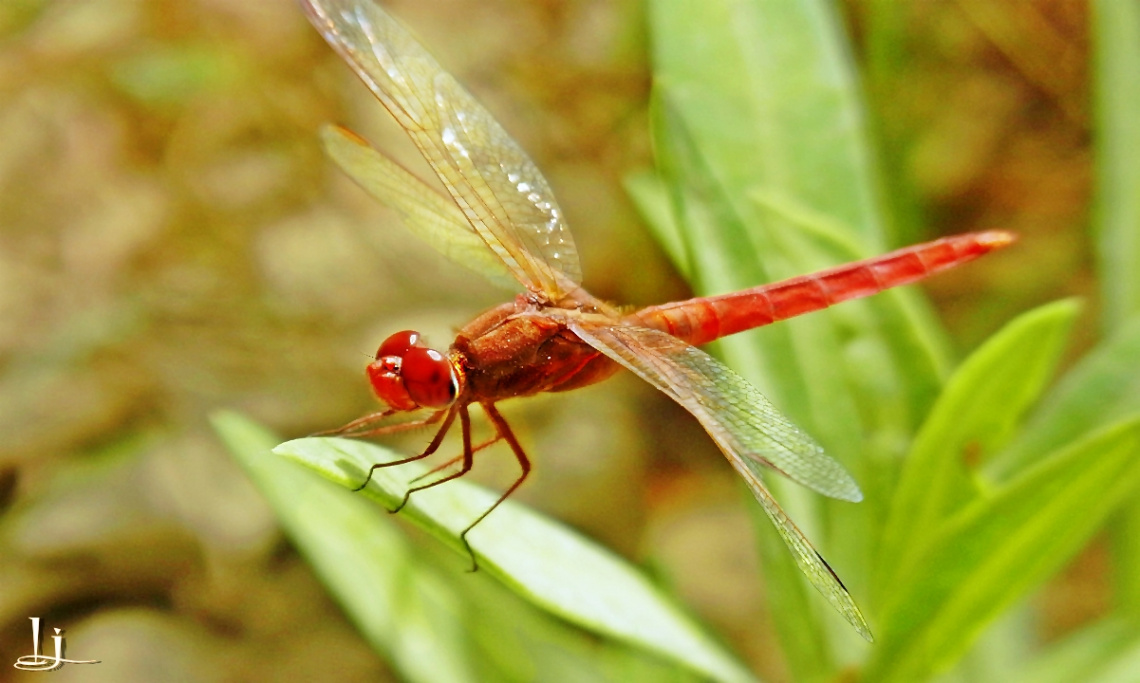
<point x="407" y="375"/>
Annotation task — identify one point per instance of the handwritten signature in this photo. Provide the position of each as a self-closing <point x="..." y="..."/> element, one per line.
<point x="39" y="662"/>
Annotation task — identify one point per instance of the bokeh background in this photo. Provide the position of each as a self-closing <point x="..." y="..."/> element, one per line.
<point x="173" y="242"/>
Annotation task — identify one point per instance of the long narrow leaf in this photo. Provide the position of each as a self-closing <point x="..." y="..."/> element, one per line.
<point x="975" y="415"/>
<point x="757" y="115"/>
<point x="1116" y="36"/>
<point x="400" y="606"/>
<point x="758" y="99"/>
<point x="708" y="219"/>
<point x="1103" y="388"/>
<point x="549" y="565"/>
<point x="651" y="198"/>
<point x="432" y="620"/>
<point x="998" y="548"/>
<point x="1116" y="91"/>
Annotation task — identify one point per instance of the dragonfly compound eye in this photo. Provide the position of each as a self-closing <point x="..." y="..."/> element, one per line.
<point x="384" y="375"/>
<point x="398" y="344"/>
<point x="429" y="377"/>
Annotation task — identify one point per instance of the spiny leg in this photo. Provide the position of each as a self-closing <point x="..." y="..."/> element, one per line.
<point x="468" y="458"/>
<point x="432" y="447"/>
<point x="363" y="427"/>
<point x="369" y="419"/>
<point x="475" y="449"/>
<point x="504" y="431"/>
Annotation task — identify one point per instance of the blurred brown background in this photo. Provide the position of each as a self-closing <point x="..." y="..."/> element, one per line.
<point x="173" y="242"/>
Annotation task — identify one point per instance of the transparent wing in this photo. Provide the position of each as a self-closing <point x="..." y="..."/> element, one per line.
<point x="744" y="423"/>
<point x="492" y="181"/>
<point x="746" y="427"/>
<point x="433" y="217"/>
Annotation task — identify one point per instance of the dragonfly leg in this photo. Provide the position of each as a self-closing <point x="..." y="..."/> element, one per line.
<point x="468" y="457"/>
<point x="403" y="426"/>
<point x="356" y="425"/>
<point x="369" y="425"/>
<point x="449" y="463"/>
<point x="504" y="432"/>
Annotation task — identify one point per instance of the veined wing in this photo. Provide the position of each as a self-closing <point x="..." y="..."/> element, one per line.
<point x="491" y="179"/>
<point x="744" y="423"/>
<point x="747" y="428"/>
<point x="431" y="216"/>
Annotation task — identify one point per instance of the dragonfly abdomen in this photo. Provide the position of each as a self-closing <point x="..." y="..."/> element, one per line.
<point x="705" y="319"/>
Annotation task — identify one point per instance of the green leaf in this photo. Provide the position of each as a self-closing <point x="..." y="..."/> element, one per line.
<point x="1104" y="387"/>
<point x="550" y="566"/>
<point x="717" y="247"/>
<point x="651" y="198"/>
<point x="758" y="100"/>
<point x="1115" y="28"/>
<point x="408" y="600"/>
<point x="1000" y="547"/>
<point x="756" y="116"/>
<point x="1116" y="39"/>
<point x="403" y="608"/>
<point x="982" y="404"/>
<point x="886" y="29"/>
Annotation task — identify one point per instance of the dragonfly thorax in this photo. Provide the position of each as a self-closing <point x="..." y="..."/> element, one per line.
<point x="407" y="375"/>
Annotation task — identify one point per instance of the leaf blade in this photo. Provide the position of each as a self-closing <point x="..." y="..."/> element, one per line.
<point x="998" y="548"/>
<point x="973" y="417"/>
<point x="395" y="604"/>
<point x="547" y="564"/>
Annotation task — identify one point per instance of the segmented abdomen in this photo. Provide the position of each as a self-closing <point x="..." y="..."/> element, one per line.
<point x="704" y="319"/>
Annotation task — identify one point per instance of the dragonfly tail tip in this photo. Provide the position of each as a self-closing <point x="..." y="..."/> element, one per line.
<point x="996" y="239"/>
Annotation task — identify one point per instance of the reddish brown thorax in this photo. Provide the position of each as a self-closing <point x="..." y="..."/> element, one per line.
<point x="407" y="375"/>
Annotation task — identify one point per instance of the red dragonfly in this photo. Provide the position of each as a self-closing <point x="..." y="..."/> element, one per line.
<point x="500" y="218"/>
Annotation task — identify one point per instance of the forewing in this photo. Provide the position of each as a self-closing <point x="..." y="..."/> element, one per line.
<point x="494" y="183"/>
<point x="433" y="217"/>
<point x="746" y="427"/>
